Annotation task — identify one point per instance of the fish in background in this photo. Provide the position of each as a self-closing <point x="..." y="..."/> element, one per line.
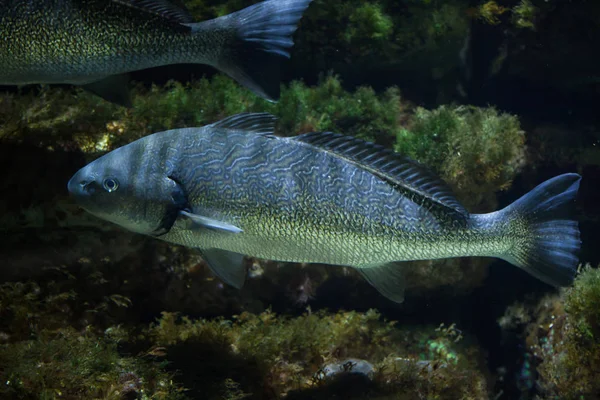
<point x="233" y="188"/>
<point x="96" y="43"/>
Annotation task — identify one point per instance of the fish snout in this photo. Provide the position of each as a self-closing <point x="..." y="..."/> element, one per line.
<point x="78" y="185"/>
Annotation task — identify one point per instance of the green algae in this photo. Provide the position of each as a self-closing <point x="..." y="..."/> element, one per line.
<point x="289" y="353"/>
<point x="524" y="15"/>
<point x="565" y="339"/>
<point x="53" y="346"/>
<point x="313" y="336"/>
<point x="582" y="303"/>
<point x="478" y="150"/>
<point x="49" y="350"/>
<point x="383" y="30"/>
<point x="57" y="118"/>
<point x="72" y="365"/>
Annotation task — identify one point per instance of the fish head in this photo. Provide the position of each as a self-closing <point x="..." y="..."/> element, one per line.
<point x="130" y="188"/>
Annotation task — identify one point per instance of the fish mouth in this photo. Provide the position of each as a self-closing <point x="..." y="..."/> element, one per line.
<point x="78" y="185"/>
<point x="72" y="185"/>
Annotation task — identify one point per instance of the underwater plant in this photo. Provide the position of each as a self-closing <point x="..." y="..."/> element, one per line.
<point x="72" y="365"/>
<point x="293" y="355"/>
<point x="564" y="337"/>
<point x="488" y="12"/>
<point x="524" y="14"/>
<point x="49" y="350"/>
<point x="56" y="118"/>
<point x="478" y="150"/>
<point x="55" y="343"/>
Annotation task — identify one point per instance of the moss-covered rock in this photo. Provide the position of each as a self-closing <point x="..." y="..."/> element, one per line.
<point x="567" y="341"/>
<point x="53" y="344"/>
<point x="59" y="120"/>
<point x="289" y="356"/>
<point x="478" y="150"/>
<point x="59" y="339"/>
<point x="74" y="365"/>
<point x="562" y="332"/>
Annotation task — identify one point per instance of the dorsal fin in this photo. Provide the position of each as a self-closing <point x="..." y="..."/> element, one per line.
<point x="257" y="123"/>
<point x="388" y="165"/>
<point x="164" y="8"/>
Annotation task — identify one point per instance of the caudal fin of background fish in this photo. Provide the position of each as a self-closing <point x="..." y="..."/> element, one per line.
<point x="261" y="41"/>
<point x="548" y="240"/>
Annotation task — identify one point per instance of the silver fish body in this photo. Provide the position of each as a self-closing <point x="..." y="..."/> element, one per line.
<point x="95" y="42"/>
<point x="233" y="188"/>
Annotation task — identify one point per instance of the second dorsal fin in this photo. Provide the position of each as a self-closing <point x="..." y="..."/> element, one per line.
<point x="257" y="123"/>
<point x="388" y="165"/>
<point x="165" y="8"/>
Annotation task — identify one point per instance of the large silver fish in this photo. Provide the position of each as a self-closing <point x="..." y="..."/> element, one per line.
<point x="233" y="188"/>
<point x="95" y="43"/>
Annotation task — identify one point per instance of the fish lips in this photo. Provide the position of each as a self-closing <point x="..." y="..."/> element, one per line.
<point x="81" y="187"/>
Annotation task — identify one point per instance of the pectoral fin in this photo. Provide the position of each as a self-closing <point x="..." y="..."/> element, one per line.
<point x="388" y="279"/>
<point x="113" y="88"/>
<point x="226" y="265"/>
<point x="202" y="222"/>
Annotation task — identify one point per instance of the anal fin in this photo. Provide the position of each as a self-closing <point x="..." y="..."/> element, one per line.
<point x="388" y="279"/>
<point x="226" y="265"/>
<point x="113" y="88"/>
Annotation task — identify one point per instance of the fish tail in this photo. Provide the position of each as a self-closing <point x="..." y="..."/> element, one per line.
<point x="544" y="239"/>
<point x="256" y="40"/>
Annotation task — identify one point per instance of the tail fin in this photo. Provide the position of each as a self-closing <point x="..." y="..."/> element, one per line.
<point x="262" y="37"/>
<point x="548" y="240"/>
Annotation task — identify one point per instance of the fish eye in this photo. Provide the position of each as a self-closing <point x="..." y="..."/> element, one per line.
<point x="111" y="184"/>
